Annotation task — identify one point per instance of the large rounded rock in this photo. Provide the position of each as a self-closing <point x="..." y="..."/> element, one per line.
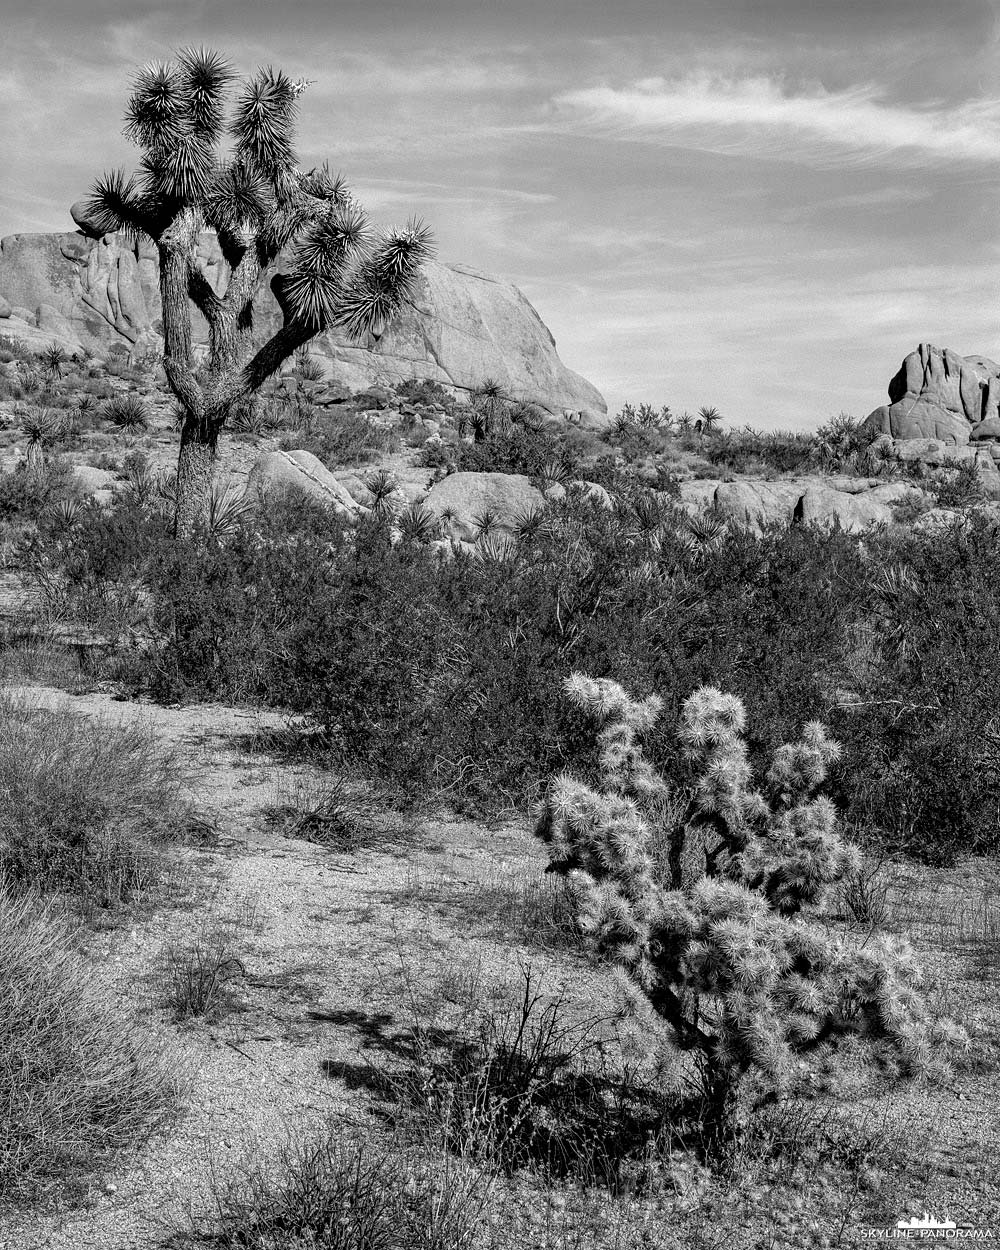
<point x="84" y="220"/>
<point x="5" y="309"/>
<point x="279" y="471"/>
<point x="757" y="503"/>
<point x="89" y="480"/>
<point x="854" y="513"/>
<point x="463" y="500"/>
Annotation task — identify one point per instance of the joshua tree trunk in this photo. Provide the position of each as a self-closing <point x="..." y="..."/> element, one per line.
<point x="196" y="463"/>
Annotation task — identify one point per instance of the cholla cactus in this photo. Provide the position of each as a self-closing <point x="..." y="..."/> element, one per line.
<point x="725" y="958"/>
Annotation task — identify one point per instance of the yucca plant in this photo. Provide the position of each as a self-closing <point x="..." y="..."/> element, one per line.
<point x="490" y="409"/>
<point x="53" y="358"/>
<point x="66" y="514"/>
<point x="418" y="524"/>
<point x="41" y="432"/>
<point x="496" y="547"/>
<point x="339" y="273"/>
<point x="486" y="522"/>
<point x="307" y="367"/>
<point x="228" y="507"/>
<point x="719" y="939"/>
<point x="384" y="491"/>
<point x="128" y="412"/>
<point x="555" y="473"/>
<point x="529" y="522"/>
<point x="140" y="484"/>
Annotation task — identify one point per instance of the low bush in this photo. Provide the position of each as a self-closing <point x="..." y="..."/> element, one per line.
<point x="88" y="805"/>
<point x="26" y="492"/>
<point x="79" y="1078"/>
<point x="521" y="450"/>
<point x="346" y="439"/>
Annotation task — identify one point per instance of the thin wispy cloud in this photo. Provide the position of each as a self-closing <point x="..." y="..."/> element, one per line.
<point x="760" y="116"/>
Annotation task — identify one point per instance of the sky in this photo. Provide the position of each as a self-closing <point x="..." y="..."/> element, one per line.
<point x="760" y="205"/>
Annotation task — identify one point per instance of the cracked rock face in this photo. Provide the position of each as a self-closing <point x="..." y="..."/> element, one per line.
<point x="460" y="328"/>
<point x="938" y="394"/>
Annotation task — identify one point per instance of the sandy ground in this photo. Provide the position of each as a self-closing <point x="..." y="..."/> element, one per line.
<point x="327" y="941"/>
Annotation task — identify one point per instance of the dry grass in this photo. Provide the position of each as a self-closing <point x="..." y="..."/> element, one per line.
<point x="330" y="1190"/>
<point x="79" y="1078"/>
<point x="89" y="806"/>
<point x="335" y="813"/>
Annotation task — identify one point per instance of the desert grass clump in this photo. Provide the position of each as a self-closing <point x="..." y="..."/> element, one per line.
<point x="79" y="1078"/>
<point x="329" y="1191"/>
<point x="88" y="806"/>
<point x="331" y="812"/>
<point x="200" y="976"/>
<point x="728" y="959"/>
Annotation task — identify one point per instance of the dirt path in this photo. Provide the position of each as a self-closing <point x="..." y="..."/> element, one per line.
<point x="318" y="933"/>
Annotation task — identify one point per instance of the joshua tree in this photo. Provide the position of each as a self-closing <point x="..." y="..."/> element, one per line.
<point x="259" y="204"/>
<point x="714" y="937"/>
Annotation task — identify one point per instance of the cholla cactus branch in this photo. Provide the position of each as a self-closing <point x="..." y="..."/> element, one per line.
<point x="725" y="958"/>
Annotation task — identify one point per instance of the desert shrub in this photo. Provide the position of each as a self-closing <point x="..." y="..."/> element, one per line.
<point x="333" y="813"/>
<point x="338" y="1192"/>
<point x="722" y="955"/>
<point x="13" y="349"/>
<point x="300" y="611"/>
<point x="920" y="732"/>
<point x="79" y="1079"/>
<point x="26" y="494"/>
<point x="956" y="486"/>
<point x="88" y="805"/>
<point x="424" y="391"/>
<point x="345" y="439"/>
<point x="515" y="1081"/>
<point x="519" y="450"/>
<point x="746" y="450"/>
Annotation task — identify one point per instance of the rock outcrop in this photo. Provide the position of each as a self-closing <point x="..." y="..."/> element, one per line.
<point x="460" y="328"/>
<point x="940" y="395"/>
<point x="854" y="503"/>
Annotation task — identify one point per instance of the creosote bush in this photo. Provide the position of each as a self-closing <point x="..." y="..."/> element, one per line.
<point x="298" y="609"/>
<point x="724" y="954"/>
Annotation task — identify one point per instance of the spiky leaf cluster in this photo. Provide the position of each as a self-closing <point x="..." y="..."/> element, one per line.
<point x="179" y="114"/>
<point x="727" y="961"/>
